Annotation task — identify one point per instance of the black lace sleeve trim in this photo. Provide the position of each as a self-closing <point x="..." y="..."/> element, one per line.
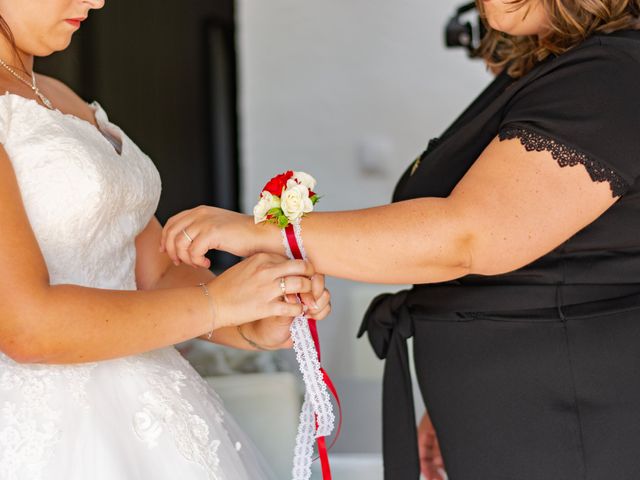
<point x="566" y="156"/>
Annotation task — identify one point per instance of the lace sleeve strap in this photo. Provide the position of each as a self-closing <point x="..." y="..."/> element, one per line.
<point x="566" y="156"/>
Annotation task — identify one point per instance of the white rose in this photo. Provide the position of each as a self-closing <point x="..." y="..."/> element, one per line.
<point x="266" y="203"/>
<point x="295" y="202"/>
<point x="304" y="179"/>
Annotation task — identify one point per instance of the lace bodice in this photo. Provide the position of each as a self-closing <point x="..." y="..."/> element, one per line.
<point x="88" y="192"/>
<point x="85" y="201"/>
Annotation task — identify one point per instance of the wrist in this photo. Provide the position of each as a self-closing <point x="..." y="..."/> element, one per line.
<point x="247" y="333"/>
<point x="209" y="291"/>
<point x="251" y="338"/>
<point x="266" y="238"/>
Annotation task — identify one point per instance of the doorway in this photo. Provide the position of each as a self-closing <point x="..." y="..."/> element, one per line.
<point x="167" y="75"/>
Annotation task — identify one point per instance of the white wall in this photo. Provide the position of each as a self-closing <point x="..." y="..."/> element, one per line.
<point x="323" y="81"/>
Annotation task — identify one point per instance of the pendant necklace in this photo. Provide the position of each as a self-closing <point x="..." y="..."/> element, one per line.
<point x="32" y="85"/>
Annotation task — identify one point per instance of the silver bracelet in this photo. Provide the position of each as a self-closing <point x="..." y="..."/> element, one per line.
<point x="251" y="342"/>
<point x="213" y="312"/>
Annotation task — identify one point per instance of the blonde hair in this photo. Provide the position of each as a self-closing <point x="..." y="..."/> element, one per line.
<point x="571" y="22"/>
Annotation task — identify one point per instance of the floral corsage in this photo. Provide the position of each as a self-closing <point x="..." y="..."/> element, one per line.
<point x="286" y="198"/>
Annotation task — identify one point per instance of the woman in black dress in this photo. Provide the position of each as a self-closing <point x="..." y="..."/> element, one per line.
<point x="520" y="228"/>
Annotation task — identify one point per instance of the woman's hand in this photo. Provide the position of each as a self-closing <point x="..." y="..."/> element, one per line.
<point x="274" y="333"/>
<point x="254" y="289"/>
<point x="431" y="463"/>
<point x="209" y="228"/>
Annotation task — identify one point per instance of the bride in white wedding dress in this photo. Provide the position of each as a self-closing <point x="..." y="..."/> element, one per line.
<point x="90" y="384"/>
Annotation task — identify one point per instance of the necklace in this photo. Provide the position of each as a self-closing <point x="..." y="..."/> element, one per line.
<point x="32" y="85"/>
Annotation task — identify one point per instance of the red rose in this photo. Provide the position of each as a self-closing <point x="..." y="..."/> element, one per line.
<point x="277" y="184"/>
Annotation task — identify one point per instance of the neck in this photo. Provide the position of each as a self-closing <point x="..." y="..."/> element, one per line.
<point x="15" y="57"/>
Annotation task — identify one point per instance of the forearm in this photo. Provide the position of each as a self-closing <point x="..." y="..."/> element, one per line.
<point x="185" y="276"/>
<point x="417" y="241"/>
<point x="182" y="276"/>
<point x="73" y="324"/>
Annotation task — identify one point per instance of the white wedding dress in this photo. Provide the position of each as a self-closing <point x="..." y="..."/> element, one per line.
<point x="88" y="192"/>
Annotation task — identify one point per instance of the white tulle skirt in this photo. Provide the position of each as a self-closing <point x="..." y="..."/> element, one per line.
<point x="145" y="417"/>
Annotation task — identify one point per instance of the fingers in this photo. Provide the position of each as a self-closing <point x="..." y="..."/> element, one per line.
<point x="317" y="285"/>
<point x="176" y="244"/>
<point x="431" y="461"/>
<point x="284" y="309"/>
<point x="323" y="306"/>
<point x="301" y="285"/>
<point x="289" y="268"/>
<point x="290" y="298"/>
<point x="423" y="455"/>
<point x="197" y="250"/>
<point x="319" y="307"/>
<point x="170" y="228"/>
<point x="323" y="313"/>
<point x="438" y="461"/>
<point x="181" y="248"/>
<point x="176" y="240"/>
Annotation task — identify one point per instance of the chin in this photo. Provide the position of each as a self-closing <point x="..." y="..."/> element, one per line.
<point x="53" y="47"/>
<point x="510" y="28"/>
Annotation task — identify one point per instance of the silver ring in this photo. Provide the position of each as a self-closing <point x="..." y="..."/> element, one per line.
<point x="283" y="286"/>
<point x="184" y="232"/>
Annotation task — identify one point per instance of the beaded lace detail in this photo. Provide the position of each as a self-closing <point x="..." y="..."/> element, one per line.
<point x="566" y="156"/>
<point x="165" y="408"/>
<point x="31" y="427"/>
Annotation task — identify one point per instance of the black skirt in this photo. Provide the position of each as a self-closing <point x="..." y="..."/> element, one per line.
<point x="537" y="394"/>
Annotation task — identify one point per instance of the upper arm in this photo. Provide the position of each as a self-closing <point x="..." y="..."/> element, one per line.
<point x="569" y="151"/>
<point x="518" y="205"/>
<point x="24" y="271"/>
<point x="151" y="264"/>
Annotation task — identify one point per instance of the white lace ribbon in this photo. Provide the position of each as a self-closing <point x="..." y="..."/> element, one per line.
<point x="317" y="407"/>
<point x="303" y="452"/>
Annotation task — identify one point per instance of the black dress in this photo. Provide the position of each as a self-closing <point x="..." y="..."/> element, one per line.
<point x="534" y="374"/>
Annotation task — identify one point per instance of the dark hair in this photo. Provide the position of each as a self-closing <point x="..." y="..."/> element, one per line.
<point x="8" y="34"/>
<point x="571" y="22"/>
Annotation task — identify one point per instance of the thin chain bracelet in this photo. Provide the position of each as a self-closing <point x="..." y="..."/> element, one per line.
<point x="251" y="342"/>
<point x="206" y="294"/>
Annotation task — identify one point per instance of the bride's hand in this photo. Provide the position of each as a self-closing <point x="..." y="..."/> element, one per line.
<point x="252" y="289"/>
<point x="431" y="463"/>
<point x="274" y="333"/>
<point x="189" y="235"/>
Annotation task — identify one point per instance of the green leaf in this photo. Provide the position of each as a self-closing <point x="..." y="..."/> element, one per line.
<point x="283" y="221"/>
<point x="275" y="212"/>
<point x="315" y="199"/>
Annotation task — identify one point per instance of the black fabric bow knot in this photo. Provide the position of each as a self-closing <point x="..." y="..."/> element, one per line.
<point x="389" y="325"/>
<point x="386" y="314"/>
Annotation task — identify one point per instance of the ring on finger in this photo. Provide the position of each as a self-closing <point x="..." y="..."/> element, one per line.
<point x="283" y="286"/>
<point x="184" y="232"/>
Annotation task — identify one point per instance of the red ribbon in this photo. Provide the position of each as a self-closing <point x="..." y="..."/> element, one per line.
<point x="323" y="451"/>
